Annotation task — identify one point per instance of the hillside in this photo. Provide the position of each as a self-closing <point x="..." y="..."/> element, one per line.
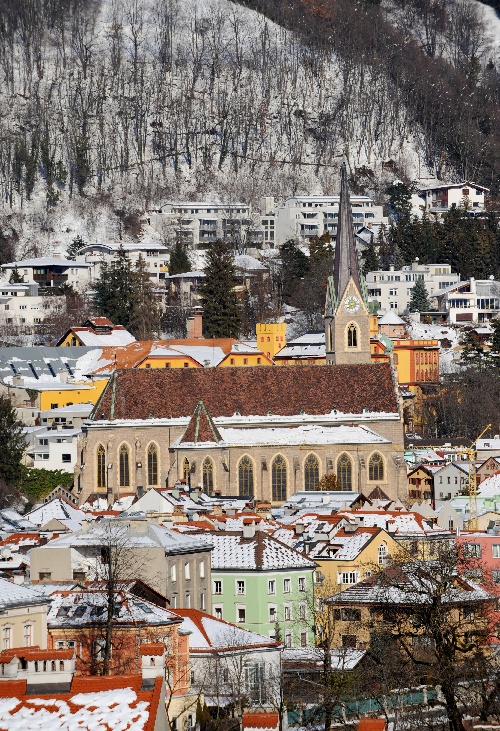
<point x="108" y="107"/>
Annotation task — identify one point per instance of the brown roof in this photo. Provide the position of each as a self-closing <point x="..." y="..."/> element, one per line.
<point x="201" y="428"/>
<point x="286" y="391"/>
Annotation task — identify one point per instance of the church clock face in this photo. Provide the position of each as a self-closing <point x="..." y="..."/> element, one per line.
<point x="351" y="304"/>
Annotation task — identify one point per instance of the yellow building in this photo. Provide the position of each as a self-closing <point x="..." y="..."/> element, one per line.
<point x="24" y="616"/>
<point x="96" y="332"/>
<point x="271" y="337"/>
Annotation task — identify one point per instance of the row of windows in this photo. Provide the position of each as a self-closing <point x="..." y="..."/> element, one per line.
<point x="241" y="613"/>
<point x="187" y="571"/>
<point x="7" y="636"/>
<point x="246" y="470"/>
<point x="240" y="586"/>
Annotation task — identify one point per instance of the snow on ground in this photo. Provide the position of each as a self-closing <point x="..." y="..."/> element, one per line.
<point x="447" y="355"/>
<point x="492" y="22"/>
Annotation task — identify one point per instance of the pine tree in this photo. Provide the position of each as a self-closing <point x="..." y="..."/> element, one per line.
<point x="371" y="257"/>
<point x="74" y="247"/>
<point x="472" y="351"/>
<point x="114" y="290"/>
<point x="221" y="309"/>
<point x="397" y="257"/>
<point x="145" y="312"/>
<point x="179" y="260"/>
<point x="15" y="277"/>
<point x="419" y="300"/>
<point x="13" y="444"/>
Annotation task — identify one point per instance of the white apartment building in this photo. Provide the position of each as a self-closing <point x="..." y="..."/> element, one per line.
<point x="198" y="223"/>
<point x="52" y="448"/>
<point x="303" y="217"/>
<point x="393" y="288"/>
<point x="156" y="257"/>
<point x="22" y="307"/>
<point x="437" y="200"/>
<point x="51" y="271"/>
<point x="473" y="300"/>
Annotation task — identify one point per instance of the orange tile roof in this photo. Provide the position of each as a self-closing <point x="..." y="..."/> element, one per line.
<point x="20" y="538"/>
<point x="260" y="720"/>
<point x="12" y="688"/>
<point x="152" y="648"/>
<point x="92" y="683"/>
<point x="35" y="653"/>
<point x="372" y="724"/>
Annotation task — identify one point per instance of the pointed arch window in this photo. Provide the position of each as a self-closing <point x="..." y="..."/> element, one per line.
<point x="208" y="476"/>
<point x="344" y="471"/>
<point x="278" y="478"/>
<point x="101" y="466"/>
<point x="352" y="336"/>
<point x="152" y="464"/>
<point x="124" y="466"/>
<point x="245" y="476"/>
<point x="376" y="467"/>
<point x="186" y="474"/>
<point x="311" y="472"/>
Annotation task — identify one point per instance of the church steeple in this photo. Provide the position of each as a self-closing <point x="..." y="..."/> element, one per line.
<point x="347" y="320"/>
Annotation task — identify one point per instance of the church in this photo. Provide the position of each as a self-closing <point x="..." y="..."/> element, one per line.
<point x="262" y="433"/>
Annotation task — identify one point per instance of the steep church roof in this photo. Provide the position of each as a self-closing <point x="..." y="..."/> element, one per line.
<point x="201" y="428"/>
<point x="345" y="264"/>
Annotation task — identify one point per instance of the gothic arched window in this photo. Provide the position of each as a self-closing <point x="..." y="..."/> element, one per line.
<point x="208" y="476"/>
<point x="245" y="477"/>
<point x="376" y="467"/>
<point x="124" y="466"/>
<point x="101" y="466"/>
<point x="352" y="336"/>
<point x="311" y="472"/>
<point x="278" y="478"/>
<point x="152" y="464"/>
<point x="344" y="471"/>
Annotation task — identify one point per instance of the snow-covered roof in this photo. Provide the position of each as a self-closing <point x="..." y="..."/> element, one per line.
<point x="56" y="508"/>
<point x="248" y="263"/>
<point x="195" y="274"/>
<point x="232" y="551"/>
<point x="207" y="633"/>
<point x="41" y="367"/>
<point x="391" y="318"/>
<point x="46" y="261"/>
<point x="118" y="336"/>
<point x="309" y="345"/>
<point x="13" y="595"/>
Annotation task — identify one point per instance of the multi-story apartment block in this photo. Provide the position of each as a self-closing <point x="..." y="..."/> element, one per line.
<point x="473" y="300"/>
<point x="155" y="256"/>
<point x="51" y="271"/>
<point x="393" y="288"/>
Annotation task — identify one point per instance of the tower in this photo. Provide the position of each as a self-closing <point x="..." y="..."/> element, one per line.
<point x="347" y="318"/>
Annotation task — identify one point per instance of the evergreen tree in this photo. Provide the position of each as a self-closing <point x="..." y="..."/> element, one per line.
<point x="221" y="309"/>
<point x="419" y="300"/>
<point x="472" y="351"/>
<point x="294" y="267"/>
<point x="13" y="444"/>
<point x="397" y="257"/>
<point x="75" y="246"/>
<point x="179" y="260"/>
<point x="371" y="257"/>
<point x="15" y="277"/>
<point x="400" y="199"/>
<point x="145" y="312"/>
<point x="384" y="249"/>
<point x="114" y="290"/>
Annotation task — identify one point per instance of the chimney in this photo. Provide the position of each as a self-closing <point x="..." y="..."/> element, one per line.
<point x="217" y="510"/>
<point x="17" y="380"/>
<point x="153" y="663"/>
<point x="299" y="529"/>
<point x="195" y="324"/>
<point x="248" y="528"/>
<point x="63" y="375"/>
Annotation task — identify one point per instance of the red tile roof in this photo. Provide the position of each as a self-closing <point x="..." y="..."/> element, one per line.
<point x="288" y="390"/>
<point x="152" y="648"/>
<point x="34" y="653"/>
<point x="92" y="683"/>
<point x="201" y="428"/>
<point x="260" y="720"/>
<point x="12" y="688"/>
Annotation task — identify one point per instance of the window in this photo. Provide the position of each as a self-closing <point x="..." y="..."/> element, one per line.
<point x="495" y="574"/>
<point x="173" y="573"/>
<point x="382" y="554"/>
<point x="303" y="638"/>
<point x="240" y="587"/>
<point x="188" y="601"/>
<point x="101" y="466"/>
<point x="271" y="586"/>
<point x="272" y="614"/>
<point x="311" y="472"/>
<point x="28" y="635"/>
<point x="287" y="612"/>
<point x="245" y="476"/>
<point x="217" y="587"/>
<point x="241" y="614"/>
<point x="152" y="464"/>
<point x="344" y="471"/>
<point x="99" y="646"/>
<point x="348" y="577"/>
<point x="208" y="476"/>
<point x="202" y="601"/>
<point x="288" y="639"/>
<point x="66" y="458"/>
<point x="185" y="470"/>
<point x="202" y="569"/>
<point x="495" y="549"/>
<point x="350" y="615"/>
<point x="287" y="586"/>
<point x="124" y="466"/>
<point x="278" y="477"/>
<point x="302" y="583"/>
<point x="472" y="550"/>
<point x="376" y="467"/>
<point x="6" y="638"/>
<point x="187" y="570"/>
<point x="302" y="610"/>
<point x="218" y="612"/>
<point x="352" y="336"/>
<point x="349" y="641"/>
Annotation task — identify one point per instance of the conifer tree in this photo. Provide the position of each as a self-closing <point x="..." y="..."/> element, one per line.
<point x="419" y="300"/>
<point x="145" y="312"/>
<point x="472" y="351"/>
<point x="371" y="257"/>
<point x="114" y="290"/>
<point x="221" y="309"/>
<point x="15" y="277"/>
<point x="74" y="247"/>
<point x="13" y="444"/>
<point x="179" y="260"/>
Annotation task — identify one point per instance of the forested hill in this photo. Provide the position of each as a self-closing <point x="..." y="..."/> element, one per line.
<point x="111" y="106"/>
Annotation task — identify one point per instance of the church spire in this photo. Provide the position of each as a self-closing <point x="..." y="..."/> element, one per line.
<point x="345" y="263"/>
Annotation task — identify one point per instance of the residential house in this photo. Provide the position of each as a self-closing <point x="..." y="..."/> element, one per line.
<point x="437" y="200"/>
<point x="249" y="566"/>
<point x="155" y="256"/>
<point x="421" y="484"/>
<point x="23" y="616"/>
<point x="177" y="566"/>
<point x="51" y="448"/>
<point x="96" y="332"/>
<point x="228" y="661"/>
<point x="450" y="480"/>
<point x="50" y="272"/>
<point x="487" y="468"/>
<point x="470" y="301"/>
